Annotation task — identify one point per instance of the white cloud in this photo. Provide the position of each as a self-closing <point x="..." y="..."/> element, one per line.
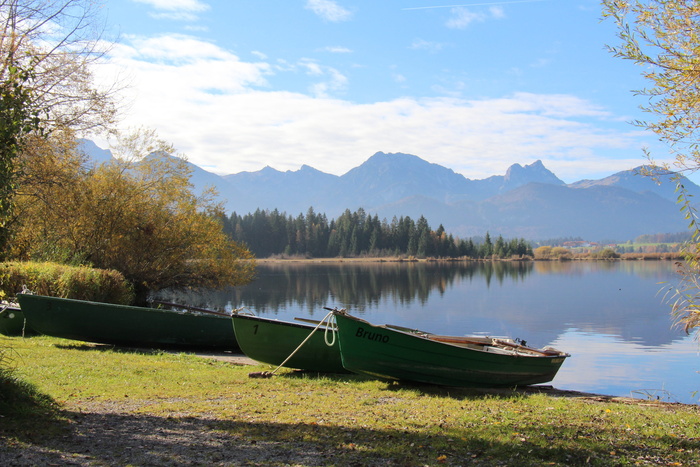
<point x="461" y="18"/>
<point x="333" y="80"/>
<point x="337" y="50"/>
<point x="399" y="78"/>
<point x="421" y="44"/>
<point x="497" y="12"/>
<point x="176" y="5"/>
<point x="196" y="28"/>
<point x="182" y="65"/>
<point x="328" y="10"/>
<point x="175" y="16"/>
<point x="222" y="113"/>
<point x="176" y="10"/>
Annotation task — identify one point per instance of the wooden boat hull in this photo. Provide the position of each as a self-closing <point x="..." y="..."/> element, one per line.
<point x="271" y="341"/>
<point x="127" y="325"/>
<point x="385" y="353"/>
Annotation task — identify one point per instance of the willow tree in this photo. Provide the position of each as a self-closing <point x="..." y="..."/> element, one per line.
<point x="663" y="37"/>
<point x="138" y="215"/>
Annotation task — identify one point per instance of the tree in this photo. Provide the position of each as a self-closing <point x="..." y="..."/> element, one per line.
<point x="16" y="120"/>
<point x="663" y="36"/>
<point x="486" y="248"/>
<point x="47" y="50"/>
<point x="60" y="41"/>
<point x="138" y="216"/>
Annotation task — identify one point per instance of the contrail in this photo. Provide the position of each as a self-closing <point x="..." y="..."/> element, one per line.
<point x="473" y="4"/>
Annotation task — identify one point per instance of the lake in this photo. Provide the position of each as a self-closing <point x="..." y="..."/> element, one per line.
<point x="610" y="316"/>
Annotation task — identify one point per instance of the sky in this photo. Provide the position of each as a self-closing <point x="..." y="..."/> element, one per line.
<point x="474" y="86"/>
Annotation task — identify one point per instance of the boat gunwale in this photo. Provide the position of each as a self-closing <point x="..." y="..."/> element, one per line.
<point x="527" y="352"/>
<point x="127" y="325"/>
<point x="185" y="312"/>
<point x="308" y="327"/>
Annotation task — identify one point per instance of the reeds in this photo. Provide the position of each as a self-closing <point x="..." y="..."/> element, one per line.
<point x="57" y="280"/>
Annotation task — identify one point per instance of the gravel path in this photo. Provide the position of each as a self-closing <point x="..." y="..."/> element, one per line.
<point x="114" y="434"/>
<point x="111" y="435"/>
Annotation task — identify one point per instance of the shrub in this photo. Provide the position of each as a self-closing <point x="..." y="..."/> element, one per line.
<point x="605" y="253"/>
<point x="57" y="280"/>
<point x="543" y="252"/>
<point x="561" y="253"/>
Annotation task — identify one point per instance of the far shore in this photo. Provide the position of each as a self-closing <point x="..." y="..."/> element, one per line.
<point x="398" y="259"/>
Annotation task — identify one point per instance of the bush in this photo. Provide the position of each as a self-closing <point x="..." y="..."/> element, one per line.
<point x="543" y="252"/>
<point x="605" y="253"/>
<point x="561" y="253"/>
<point x="57" y="280"/>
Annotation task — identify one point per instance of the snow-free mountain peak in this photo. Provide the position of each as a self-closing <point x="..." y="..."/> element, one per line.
<point x="517" y="175"/>
<point x="637" y="180"/>
<point x="528" y="201"/>
<point x="95" y="154"/>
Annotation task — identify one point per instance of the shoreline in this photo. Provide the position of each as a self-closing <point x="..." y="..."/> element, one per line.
<point x="396" y="259"/>
<point x="240" y="359"/>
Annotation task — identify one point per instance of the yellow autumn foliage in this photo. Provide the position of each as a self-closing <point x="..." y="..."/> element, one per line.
<point x="663" y="37"/>
<point x="138" y="216"/>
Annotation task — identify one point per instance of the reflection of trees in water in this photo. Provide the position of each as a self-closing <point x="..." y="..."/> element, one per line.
<point x="580" y="268"/>
<point x="360" y="285"/>
<point x="617" y="298"/>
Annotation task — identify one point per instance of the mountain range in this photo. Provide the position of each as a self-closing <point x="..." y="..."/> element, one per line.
<point x="528" y="201"/>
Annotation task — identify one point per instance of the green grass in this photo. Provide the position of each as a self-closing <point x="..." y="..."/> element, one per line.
<point x="350" y="418"/>
<point x="18" y="397"/>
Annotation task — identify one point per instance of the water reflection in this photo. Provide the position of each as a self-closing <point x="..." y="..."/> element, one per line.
<point x="362" y="285"/>
<point x="609" y="315"/>
<point x="604" y="364"/>
<point x="507" y="298"/>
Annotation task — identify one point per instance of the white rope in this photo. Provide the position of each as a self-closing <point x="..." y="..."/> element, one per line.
<point x="304" y="342"/>
<point x="330" y="327"/>
<point x="242" y="311"/>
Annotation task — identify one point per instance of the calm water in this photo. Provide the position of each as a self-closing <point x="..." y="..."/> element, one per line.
<point x="609" y="316"/>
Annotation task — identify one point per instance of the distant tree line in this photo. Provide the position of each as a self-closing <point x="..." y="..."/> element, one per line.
<point x="558" y="241"/>
<point x="659" y="238"/>
<point x="269" y="233"/>
<point x="679" y="237"/>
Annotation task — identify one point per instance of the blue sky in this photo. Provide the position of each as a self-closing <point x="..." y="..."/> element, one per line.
<point x="237" y="85"/>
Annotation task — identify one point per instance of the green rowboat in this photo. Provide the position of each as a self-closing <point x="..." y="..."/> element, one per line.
<point x="132" y="326"/>
<point x="271" y="341"/>
<point x="12" y="321"/>
<point x="394" y="353"/>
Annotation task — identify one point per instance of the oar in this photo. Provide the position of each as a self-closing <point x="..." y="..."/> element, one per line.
<point x="193" y="308"/>
<point x="409" y="330"/>
<point x="548" y="353"/>
<point x="463" y="339"/>
<point x="313" y="321"/>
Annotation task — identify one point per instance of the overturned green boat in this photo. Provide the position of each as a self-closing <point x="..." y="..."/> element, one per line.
<point x="395" y="353"/>
<point x="278" y="343"/>
<point x="131" y="326"/>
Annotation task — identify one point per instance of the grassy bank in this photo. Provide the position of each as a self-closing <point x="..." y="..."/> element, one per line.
<point x="323" y="420"/>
